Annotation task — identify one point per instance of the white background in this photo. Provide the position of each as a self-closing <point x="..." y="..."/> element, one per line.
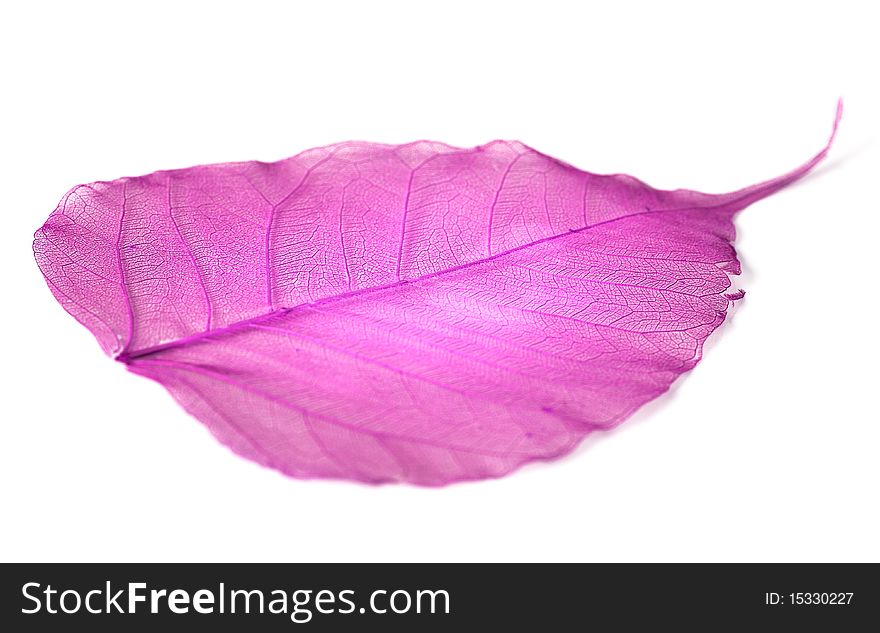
<point x="768" y="450"/>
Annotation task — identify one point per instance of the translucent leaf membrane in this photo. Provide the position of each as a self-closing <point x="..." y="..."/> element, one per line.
<point x="417" y="313"/>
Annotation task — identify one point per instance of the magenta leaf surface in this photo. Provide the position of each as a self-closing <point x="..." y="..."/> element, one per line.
<point x="414" y="313"/>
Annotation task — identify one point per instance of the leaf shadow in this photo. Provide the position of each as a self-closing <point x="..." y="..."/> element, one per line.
<point x="834" y="164"/>
<point x="649" y="411"/>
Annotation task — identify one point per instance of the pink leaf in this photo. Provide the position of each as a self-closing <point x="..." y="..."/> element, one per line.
<point x="415" y="313"/>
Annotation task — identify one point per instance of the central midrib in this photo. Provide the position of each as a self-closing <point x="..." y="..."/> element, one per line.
<point x="125" y="356"/>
